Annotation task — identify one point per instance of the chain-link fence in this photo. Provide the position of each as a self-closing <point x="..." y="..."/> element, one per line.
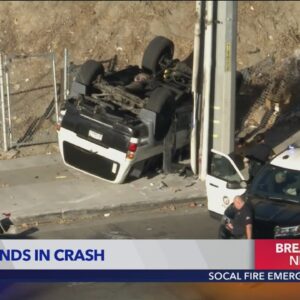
<point x="28" y="100"/>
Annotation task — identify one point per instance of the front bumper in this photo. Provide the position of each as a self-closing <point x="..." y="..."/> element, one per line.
<point x="106" y="163"/>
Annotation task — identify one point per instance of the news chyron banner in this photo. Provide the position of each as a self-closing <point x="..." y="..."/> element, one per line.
<point x="150" y="260"/>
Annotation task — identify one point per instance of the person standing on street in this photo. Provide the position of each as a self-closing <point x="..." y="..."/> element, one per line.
<point x="238" y="220"/>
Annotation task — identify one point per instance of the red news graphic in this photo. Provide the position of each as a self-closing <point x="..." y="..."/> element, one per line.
<point x="277" y="254"/>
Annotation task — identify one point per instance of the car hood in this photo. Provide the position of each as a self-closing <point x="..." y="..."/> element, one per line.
<point x="276" y="212"/>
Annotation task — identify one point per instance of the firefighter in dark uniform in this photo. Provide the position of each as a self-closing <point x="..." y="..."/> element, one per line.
<point x="238" y="220"/>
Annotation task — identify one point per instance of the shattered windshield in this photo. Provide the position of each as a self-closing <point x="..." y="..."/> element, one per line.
<point x="277" y="183"/>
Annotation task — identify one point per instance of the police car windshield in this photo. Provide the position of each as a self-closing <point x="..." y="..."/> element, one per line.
<point x="277" y="183"/>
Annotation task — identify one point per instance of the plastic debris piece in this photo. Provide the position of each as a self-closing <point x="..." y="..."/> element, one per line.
<point x="182" y="172"/>
<point x="60" y="177"/>
<point x="162" y="185"/>
<point x="172" y="207"/>
<point x="190" y="184"/>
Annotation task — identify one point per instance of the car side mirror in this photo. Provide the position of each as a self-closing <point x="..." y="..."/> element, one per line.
<point x="234" y="185"/>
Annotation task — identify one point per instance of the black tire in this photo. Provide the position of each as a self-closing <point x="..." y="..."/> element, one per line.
<point x="159" y="49"/>
<point x="161" y="102"/>
<point x="89" y="71"/>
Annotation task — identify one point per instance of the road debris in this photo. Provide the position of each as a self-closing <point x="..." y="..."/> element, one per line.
<point x="185" y="172"/>
<point x="182" y="172"/>
<point x="169" y="207"/>
<point x="61" y="177"/>
<point x="172" y="207"/>
<point x="190" y="184"/>
<point x="162" y="185"/>
<point x="106" y="215"/>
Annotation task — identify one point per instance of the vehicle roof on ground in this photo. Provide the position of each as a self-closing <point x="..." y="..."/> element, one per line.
<point x="289" y="159"/>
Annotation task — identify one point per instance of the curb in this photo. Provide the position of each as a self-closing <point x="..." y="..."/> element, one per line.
<point x="73" y="215"/>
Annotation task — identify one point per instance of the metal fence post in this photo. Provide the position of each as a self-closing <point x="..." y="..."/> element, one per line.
<point x="55" y="87"/>
<point x="66" y="83"/>
<point x="5" y="148"/>
<point x="6" y="70"/>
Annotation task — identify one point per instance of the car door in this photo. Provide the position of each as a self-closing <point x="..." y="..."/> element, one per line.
<point x="222" y="182"/>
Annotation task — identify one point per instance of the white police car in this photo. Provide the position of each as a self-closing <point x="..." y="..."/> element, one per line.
<point x="274" y="193"/>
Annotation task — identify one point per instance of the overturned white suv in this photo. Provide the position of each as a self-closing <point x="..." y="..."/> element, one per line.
<point x="114" y="124"/>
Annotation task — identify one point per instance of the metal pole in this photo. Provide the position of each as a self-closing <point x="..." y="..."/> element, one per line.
<point x="196" y="53"/>
<point x="206" y="90"/>
<point x="66" y="85"/>
<point x="8" y="100"/>
<point x="196" y="83"/>
<point x="55" y="87"/>
<point x="223" y="102"/>
<point x="5" y="148"/>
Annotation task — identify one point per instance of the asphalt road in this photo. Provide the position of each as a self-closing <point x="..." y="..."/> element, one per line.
<point x="169" y="222"/>
<point x="184" y="222"/>
<point x="103" y="291"/>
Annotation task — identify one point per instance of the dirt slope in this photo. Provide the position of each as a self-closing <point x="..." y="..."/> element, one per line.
<point x="94" y="29"/>
<point x="102" y="29"/>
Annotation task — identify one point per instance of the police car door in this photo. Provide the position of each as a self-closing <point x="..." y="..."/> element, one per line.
<point x="222" y="182"/>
